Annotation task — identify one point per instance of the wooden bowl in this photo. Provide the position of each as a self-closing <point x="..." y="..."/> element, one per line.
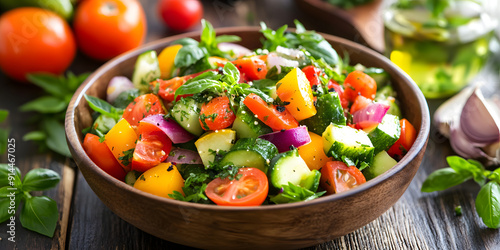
<point x="287" y="225"/>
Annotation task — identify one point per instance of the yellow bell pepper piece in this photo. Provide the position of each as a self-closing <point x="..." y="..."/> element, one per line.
<point x="296" y="89"/>
<point x="313" y="153"/>
<point x="161" y="180"/>
<point x="120" y="140"/>
<point x="166" y="60"/>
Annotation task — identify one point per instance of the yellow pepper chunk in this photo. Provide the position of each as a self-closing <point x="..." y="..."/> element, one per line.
<point x="166" y="60"/>
<point x="296" y="89"/>
<point x="161" y="180"/>
<point x="313" y="153"/>
<point x="120" y="140"/>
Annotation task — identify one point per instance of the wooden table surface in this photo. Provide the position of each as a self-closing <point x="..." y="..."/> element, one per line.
<point x="417" y="221"/>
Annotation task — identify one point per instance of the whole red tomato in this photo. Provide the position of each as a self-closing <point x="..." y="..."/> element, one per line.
<point x="34" y="40"/>
<point x="180" y="15"/>
<point x="107" y="28"/>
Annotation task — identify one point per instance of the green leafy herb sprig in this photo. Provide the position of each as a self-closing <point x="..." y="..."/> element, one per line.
<point x="461" y="170"/>
<point x="308" y="40"/>
<point x="4" y="132"/>
<point x="294" y="193"/>
<point x="38" y="213"/>
<point x="193" y="56"/>
<point x="348" y="4"/>
<point x="51" y="110"/>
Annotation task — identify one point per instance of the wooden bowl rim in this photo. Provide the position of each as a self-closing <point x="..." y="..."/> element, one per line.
<point x="81" y="157"/>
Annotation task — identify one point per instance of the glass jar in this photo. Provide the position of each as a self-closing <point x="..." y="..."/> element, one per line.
<point x="441" y="51"/>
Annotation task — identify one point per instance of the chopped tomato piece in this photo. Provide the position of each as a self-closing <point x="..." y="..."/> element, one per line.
<point x="102" y="156"/>
<point x="167" y="88"/>
<point x="217" y="114"/>
<point x="360" y="103"/>
<point x="332" y="84"/>
<point x="277" y="118"/>
<point x="152" y="147"/>
<point x="359" y="83"/>
<point x="337" y="177"/>
<point x="312" y="74"/>
<point x="250" y="189"/>
<point x="253" y="67"/>
<point x="405" y="141"/>
<point x="142" y="106"/>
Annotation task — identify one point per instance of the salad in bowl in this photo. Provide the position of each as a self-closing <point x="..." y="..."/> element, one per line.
<point x="213" y="122"/>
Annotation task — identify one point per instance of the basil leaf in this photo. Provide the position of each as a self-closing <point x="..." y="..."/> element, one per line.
<point x="466" y="167"/>
<point x="56" y="137"/>
<point x="188" y="55"/>
<point x="74" y="81"/>
<point x="232" y="72"/>
<point x="442" y="179"/>
<point x="207" y="38"/>
<point x="273" y="38"/>
<point x="3" y="114"/>
<point x="4" y="137"/>
<point x="488" y="204"/>
<point x="103" y="124"/>
<point x="323" y="50"/>
<point x="185" y="41"/>
<point x="52" y="84"/>
<point x="39" y="214"/>
<point x="103" y="107"/>
<point x="197" y="86"/>
<point x="40" y="179"/>
<point x="45" y="104"/>
<point x="35" y="136"/>
<point x="294" y="193"/>
<point x="125" y="98"/>
<point x="227" y="39"/>
<point x="5" y="171"/>
<point x="8" y="205"/>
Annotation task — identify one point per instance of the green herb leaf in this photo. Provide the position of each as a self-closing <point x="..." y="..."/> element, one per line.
<point x="231" y="71"/>
<point x="35" y="136"/>
<point x="10" y="176"/>
<point x="56" y="136"/>
<point x="198" y="86"/>
<point x="3" y="114"/>
<point x="444" y="178"/>
<point x="40" y="179"/>
<point x="104" y="107"/>
<point x="8" y="206"/>
<point x="40" y="214"/>
<point x="467" y="167"/>
<point x="294" y="193"/>
<point x="227" y="39"/>
<point x="52" y="84"/>
<point x="188" y="55"/>
<point x="45" y="104"/>
<point x="488" y="204"/>
<point x="186" y="41"/>
<point x="125" y="98"/>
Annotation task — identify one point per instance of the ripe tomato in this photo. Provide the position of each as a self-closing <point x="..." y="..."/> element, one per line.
<point x="359" y="83"/>
<point x="107" y="28"/>
<point x="34" y="40"/>
<point x="337" y="177"/>
<point x="180" y="15"/>
<point x="249" y="190"/>
<point x="102" y="156"/>
<point x="405" y="141"/>
<point x="254" y="68"/>
<point x="142" y="106"/>
<point x="216" y="114"/>
<point x="152" y="148"/>
<point x="312" y="74"/>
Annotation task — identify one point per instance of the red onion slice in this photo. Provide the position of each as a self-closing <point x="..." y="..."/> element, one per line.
<point x="116" y="86"/>
<point x="183" y="156"/>
<point x="174" y="131"/>
<point x="478" y="123"/>
<point x="371" y="115"/>
<point x="283" y="140"/>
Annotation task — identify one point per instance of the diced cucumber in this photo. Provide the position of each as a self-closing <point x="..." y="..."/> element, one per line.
<point x="348" y="144"/>
<point x="186" y="112"/>
<point x="147" y="69"/>
<point x="289" y="167"/>
<point x="381" y="163"/>
<point x="131" y="177"/>
<point x="212" y="142"/>
<point x="247" y="125"/>
<point x="385" y="134"/>
<point x="104" y="124"/>
<point x="251" y="152"/>
<point x="329" y="110"/>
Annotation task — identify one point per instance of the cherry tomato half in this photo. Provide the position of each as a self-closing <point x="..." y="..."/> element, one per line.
<point x="359" y="83"/>
<point x="249" y="190"/>
<point x="102" y="156"/>
<point x="34" y="40"/>
<point x="405" y="141"/>
<point x="152" y="148"/>
<point x="142" y="106"/>
<point x="217" y="114"/>
<point x="180" y="15"/>
<point x="107" y="28"/>
<point x="337" y="177"/>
